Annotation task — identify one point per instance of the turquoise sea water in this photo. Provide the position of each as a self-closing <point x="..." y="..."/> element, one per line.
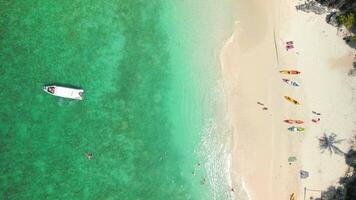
<point x="148" y="74"/>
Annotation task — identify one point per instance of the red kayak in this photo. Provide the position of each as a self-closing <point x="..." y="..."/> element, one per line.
<point x="291" y="121"/>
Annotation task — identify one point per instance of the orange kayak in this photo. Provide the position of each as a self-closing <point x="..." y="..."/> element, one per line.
<point x="291" y="121"/>
<point x="292" y="100"/>
<point x="289" y="72"/>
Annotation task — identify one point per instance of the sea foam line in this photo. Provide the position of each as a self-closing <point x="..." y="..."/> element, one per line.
<point x="241" y="191"/>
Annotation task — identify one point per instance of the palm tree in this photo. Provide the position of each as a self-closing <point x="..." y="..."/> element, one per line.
<point x="328" y="142"/>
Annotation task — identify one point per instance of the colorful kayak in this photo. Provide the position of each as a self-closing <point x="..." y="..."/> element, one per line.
<point x="292" y="121"/>
<point x="289" y="72"/>
<point x="292" y="100"/>
<point x="294" y="128"/>
<point x="290" y="82"/>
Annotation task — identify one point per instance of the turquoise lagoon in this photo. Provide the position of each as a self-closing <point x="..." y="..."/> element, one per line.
<point x="150" y="70"/>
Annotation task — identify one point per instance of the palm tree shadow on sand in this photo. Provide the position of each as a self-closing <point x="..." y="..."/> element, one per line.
<point x="329" y="142"/>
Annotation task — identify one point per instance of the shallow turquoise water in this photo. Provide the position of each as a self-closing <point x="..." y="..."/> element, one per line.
<point x="141" y="115"/>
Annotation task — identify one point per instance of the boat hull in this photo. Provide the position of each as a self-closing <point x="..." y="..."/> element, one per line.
<point x="65" y="92"/>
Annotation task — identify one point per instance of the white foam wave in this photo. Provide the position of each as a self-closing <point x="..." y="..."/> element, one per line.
<point x="217" y="138"/>
<point x="215" y="147"/>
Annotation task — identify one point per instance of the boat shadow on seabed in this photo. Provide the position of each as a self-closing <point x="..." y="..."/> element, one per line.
<point x="66" y="102"/>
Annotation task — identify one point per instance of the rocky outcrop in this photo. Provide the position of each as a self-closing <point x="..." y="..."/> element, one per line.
<point x="336" y="9"/>
<point x="331" y="19"/>
<point x="337" y="4"/>
<point x="341" y="5"/>
<point x="312" y="6"/>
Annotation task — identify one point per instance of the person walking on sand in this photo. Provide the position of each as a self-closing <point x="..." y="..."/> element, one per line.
<point x="316" y="113"/>
<point x="316" y="120"/>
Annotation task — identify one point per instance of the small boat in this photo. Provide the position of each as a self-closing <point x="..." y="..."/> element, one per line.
<point x="293" y="121"/>
<point x="294" y="128"/>
<point x="65" y="92"/>
<point x="290" y="82"/>
<point x="292" y="100"/>
<point x="289" y="72"/>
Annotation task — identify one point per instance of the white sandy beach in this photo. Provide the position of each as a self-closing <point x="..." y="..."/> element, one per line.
<point x="250" y="71"/>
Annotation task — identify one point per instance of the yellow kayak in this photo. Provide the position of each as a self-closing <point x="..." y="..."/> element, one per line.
<point x="292" y="100"/>
<point x="290" y="72"/>
<point x="292" y="197"/>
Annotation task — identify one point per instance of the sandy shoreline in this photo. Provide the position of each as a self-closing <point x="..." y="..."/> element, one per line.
<point x="261" y="142"/>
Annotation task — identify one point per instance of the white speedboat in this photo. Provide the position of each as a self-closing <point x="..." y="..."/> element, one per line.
<point x="64" y="92"/>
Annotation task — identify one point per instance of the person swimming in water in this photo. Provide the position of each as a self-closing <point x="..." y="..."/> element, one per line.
<point x="89" y="155"/>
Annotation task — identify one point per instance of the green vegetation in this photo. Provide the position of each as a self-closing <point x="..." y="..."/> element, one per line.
<point x="347" y="19"/>
<point x="347" y="188"/>
<point x="345" y="13"/>
<point x="353" y="38"/>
